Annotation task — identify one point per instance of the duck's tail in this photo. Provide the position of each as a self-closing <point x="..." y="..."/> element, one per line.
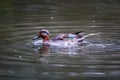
<point x="88" y="35"/>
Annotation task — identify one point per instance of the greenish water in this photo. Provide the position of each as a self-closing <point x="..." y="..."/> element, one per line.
<point x="20" y="20"/>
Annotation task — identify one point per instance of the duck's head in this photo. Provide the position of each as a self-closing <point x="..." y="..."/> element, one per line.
<point x="44" y="33"/>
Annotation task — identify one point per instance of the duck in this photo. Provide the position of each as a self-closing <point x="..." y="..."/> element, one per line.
<point x="62" y="40"/>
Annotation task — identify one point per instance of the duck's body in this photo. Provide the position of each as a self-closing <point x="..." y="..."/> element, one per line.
<point x="57" y="43"/>
<point x="69" y="40"/>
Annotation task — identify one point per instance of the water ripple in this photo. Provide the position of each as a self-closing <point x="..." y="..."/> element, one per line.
<point x="21" y="20"/>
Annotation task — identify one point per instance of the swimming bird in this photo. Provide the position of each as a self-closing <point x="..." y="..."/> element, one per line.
<point x="62" y="40"/>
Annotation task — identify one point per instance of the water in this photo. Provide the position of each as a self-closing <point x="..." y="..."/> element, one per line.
<point x="21" y="20"/>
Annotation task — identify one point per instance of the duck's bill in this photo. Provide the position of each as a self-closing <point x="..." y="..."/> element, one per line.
<point x="36" y="37"/>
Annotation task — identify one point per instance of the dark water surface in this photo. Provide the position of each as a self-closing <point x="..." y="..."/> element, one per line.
<point x="20" y="20"/>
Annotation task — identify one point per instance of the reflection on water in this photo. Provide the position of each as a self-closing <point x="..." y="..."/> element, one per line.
<point x="21" y="20"/>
